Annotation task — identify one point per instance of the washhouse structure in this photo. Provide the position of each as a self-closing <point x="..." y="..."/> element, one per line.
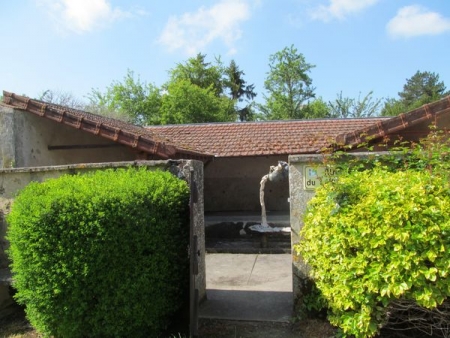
<point x="235" y="156"/>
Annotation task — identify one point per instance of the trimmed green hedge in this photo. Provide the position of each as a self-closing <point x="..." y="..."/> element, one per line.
<point x="102" y="254"/>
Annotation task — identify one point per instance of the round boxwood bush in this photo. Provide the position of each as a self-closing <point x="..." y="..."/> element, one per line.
<point x="377" y="237"/>
<point x="101" y="254"/>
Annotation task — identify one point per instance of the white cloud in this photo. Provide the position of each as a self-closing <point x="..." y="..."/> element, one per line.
<point x="415" y="20"/>
<point x="192" y="32"/>
<point x="340" y="9"/>
<point x="82" y="16"/>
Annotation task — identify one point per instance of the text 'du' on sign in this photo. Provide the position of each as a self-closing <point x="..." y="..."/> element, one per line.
<point x="314" y="176"/>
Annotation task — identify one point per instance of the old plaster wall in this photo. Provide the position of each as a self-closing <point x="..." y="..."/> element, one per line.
<point x="12" y="180"/>
<point x="232" y="184"/>
<point x="27" y="141"/>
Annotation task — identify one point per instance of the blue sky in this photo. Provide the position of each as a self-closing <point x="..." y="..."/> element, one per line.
<point x="357" y="46"/>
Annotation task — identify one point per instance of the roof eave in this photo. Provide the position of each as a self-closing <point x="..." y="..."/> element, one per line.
<point x="144" y="143"/>
<point x="428" y="112"/>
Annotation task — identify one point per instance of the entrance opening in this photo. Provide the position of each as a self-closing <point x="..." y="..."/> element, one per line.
<point x="248" y="273"/>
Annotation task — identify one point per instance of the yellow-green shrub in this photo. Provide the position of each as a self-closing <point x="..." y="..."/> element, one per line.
<point x="375" y="236"/>
<point x="102" y="254"/>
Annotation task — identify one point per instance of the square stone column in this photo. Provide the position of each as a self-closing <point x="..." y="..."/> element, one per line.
<point x="7" y="138"/>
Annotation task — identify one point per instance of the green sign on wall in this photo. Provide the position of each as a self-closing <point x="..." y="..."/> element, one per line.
<point x="314" y="176"/>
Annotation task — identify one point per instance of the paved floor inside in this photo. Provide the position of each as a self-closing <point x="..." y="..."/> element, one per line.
<point x="255" y="287"/>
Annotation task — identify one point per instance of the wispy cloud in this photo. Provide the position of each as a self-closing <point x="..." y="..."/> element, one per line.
<point x="81" y="16"/>
<point x="340" y="9"/>
<point x="412" y="21"/>
<point x="192" y="32"/>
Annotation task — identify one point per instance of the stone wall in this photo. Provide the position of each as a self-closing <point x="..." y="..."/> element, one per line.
<point x="12" y="180"/>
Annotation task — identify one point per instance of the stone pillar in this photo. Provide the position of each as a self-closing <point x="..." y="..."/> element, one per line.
<point x="7" y="139"/>
<point x="4" y="210"/>
<point x="299" y="197"/>
<point x="5" y="276"/>
<point x="198" y="221"/>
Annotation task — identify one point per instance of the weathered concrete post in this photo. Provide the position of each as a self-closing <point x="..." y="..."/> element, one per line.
<point x="198" y="222"/>
<point x="299" y="197"/>
<point x="7" y="139"/>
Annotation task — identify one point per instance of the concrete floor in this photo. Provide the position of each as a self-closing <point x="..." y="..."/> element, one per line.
<point x="254" y="287"/>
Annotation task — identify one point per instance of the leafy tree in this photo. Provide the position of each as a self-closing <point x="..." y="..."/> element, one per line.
<point x="62" y="98"/>
<point x="225" y="82"/>
<point x="345" y="107"/>
<point x="138" y="101"/>
<point x="393" y="107"/>
<point x="94" y="107"/>
<point x="288" y="85"/>
<point x="423" y="87"/>
<point x="185" y="102"/>
<point x="420" y="89"/>
<point x="240" y="91"/>
<point x="317" y="109"/>
<point x="200" y="73"/>
<point x="196" y="91"/>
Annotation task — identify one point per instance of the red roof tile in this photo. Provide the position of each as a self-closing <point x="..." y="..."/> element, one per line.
<point x="262" y="138"/>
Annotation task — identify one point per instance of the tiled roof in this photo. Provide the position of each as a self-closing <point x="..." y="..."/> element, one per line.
<point x="263" y="138"/>
<point x="121" y="132"/>
<point x="430" y="113"/>
<point x="201" y="141"/>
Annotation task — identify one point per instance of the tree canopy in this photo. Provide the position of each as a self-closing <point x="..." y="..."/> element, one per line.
<point x="200" y="73"/>
<point x="423" y="87"/>
<point x="200" y="91"/>
<point x="185" y="102"/>
<point x="239" y="91"/>
<point x="420" y="89"/>
<point x="62" y="98"/>
<point x="133" y="100"/>
<point x="196" y="91"/>
<point x="345" y="107"/>
<point x="288" y="85"/>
